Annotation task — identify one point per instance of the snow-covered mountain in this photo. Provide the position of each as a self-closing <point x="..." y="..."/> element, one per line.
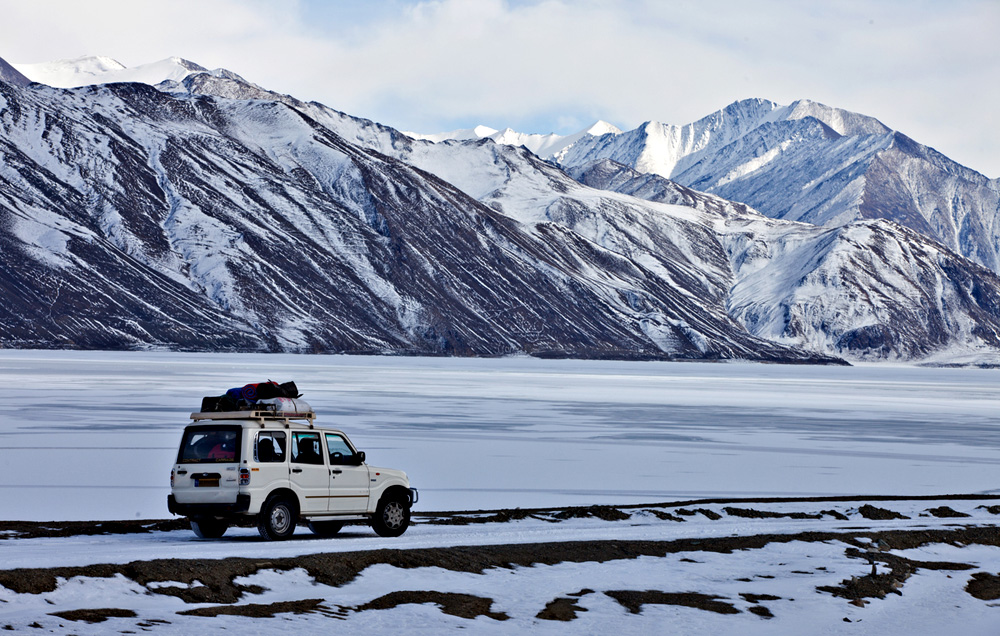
<point x="809" y="162"/>
<point x="812" y="286"/>
<point x="549" y="145"/>
<point x="137" y="217"/>
<point x="192" y="217"/>
<point x="92" y="70"/>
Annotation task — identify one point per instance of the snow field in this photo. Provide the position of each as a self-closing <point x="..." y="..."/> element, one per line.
<point x="91" y="436"/>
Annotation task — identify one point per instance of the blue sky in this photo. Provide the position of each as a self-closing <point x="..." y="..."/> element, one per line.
<point x="930" y="69"/>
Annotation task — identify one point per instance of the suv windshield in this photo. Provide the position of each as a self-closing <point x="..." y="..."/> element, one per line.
<point x="210" y="445"/>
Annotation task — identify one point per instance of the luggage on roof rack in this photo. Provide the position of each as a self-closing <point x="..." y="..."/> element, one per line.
<point x="248" y="396"/>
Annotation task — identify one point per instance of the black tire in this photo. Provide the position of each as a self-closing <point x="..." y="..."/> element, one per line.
<point x="277" y="518"/>
<point x="209" y="528"/>
<point x="392" y="515"/>
<point x="325" y="528"/>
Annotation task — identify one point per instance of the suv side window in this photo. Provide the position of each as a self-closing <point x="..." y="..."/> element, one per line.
<point x="270" y="447"/>
<point x="340" y="452"/>
<point x="306" y="448"/>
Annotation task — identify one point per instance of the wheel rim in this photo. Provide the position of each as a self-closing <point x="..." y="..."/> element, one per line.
<point x="280" y="519"/>
<point x="393" y="515"/>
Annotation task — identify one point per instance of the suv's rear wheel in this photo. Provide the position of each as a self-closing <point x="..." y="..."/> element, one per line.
<point x="209" y="528"/>
<point x="277" y="518"/>
<point x="325" y="528"/>
<point x="392" y="515"/>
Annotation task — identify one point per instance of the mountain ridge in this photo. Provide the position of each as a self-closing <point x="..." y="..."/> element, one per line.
<point x="211" y="213"/>
<point x="810" y="162"/>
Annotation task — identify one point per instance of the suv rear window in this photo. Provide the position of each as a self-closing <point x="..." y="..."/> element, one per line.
<point x="210" y="445"/>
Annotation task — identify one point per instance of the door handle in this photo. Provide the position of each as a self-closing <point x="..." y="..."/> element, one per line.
<point x="296" y="470"/>
<point x="336" y="471"/>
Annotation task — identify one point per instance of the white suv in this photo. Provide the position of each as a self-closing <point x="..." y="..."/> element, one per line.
<point x="279" y="466"/>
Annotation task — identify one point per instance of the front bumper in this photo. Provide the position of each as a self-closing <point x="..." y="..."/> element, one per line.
<point x="242" y="504"/>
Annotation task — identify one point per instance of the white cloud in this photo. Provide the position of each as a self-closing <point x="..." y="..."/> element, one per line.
<point x="928" y="69"/>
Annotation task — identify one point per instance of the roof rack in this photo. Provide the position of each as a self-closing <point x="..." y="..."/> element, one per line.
<point x="262" y="416"/>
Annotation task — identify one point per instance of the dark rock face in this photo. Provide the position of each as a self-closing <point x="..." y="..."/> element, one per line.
<point x="11" y="75"/>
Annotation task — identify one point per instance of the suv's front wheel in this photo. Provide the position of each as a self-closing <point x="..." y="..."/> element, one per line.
<point x="277" y="518"/>
<point x="392" y="515"/>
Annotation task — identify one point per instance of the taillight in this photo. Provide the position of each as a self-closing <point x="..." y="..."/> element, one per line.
<point x="171" y="477"/>
<point x="244" y="476"/>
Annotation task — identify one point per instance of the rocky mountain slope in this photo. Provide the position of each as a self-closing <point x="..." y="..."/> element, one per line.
<point x="870" y="287"/>
<point x="135" y="218"/>
<point x="11" y="75"/>
<point x="809" y="162"/>
<point x="867" y="290"/>
<point x="215" y="214"/>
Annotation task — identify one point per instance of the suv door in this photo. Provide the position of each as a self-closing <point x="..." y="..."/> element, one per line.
<point x="309" y="473"/>
<point x="349" y="481"/>
<point x="270" y="455"/>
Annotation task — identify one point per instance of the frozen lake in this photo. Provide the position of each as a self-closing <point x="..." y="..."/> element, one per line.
<point x="92" y="435"/>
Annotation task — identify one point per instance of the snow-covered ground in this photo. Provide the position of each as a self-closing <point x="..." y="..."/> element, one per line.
<point x="509" y="577"/>
<point x="91" y="436"/>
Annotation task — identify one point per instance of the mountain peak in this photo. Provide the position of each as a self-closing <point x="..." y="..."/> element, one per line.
<point x="187" y="64"/>
<point x="602" y="127"/>
<point x="484" y="131"/>
<point x="844" y="122"/>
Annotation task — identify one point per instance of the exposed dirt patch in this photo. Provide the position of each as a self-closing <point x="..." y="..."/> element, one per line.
<point x="711" y="514"/>
<point x="666" y="516"/>
<point x="869" y="511"/>
<point x="94" y="615"/>
<point x="875" y="585"/>
<point x="607" y="513"/>
<point x="502" y="516"/>
<point x="993" y="510"/>
<point x="255" y="610"/>
<point x="750" y="513"/>
<point x="761" y="611"/>
<point x="944" y="512"/>
<point x="836" y="515"/>
<point x="757" y="608"/>
<point x="633" y="600"/>
<point x="461" y="605"/>
<point x="564" y="608"/>
<point x="984" y="586"/>
<point x="44" y="529"/>
<point x="857" y="588"/>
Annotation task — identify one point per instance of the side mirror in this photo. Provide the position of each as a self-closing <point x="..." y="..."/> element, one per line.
<point x="361" y="457"/>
